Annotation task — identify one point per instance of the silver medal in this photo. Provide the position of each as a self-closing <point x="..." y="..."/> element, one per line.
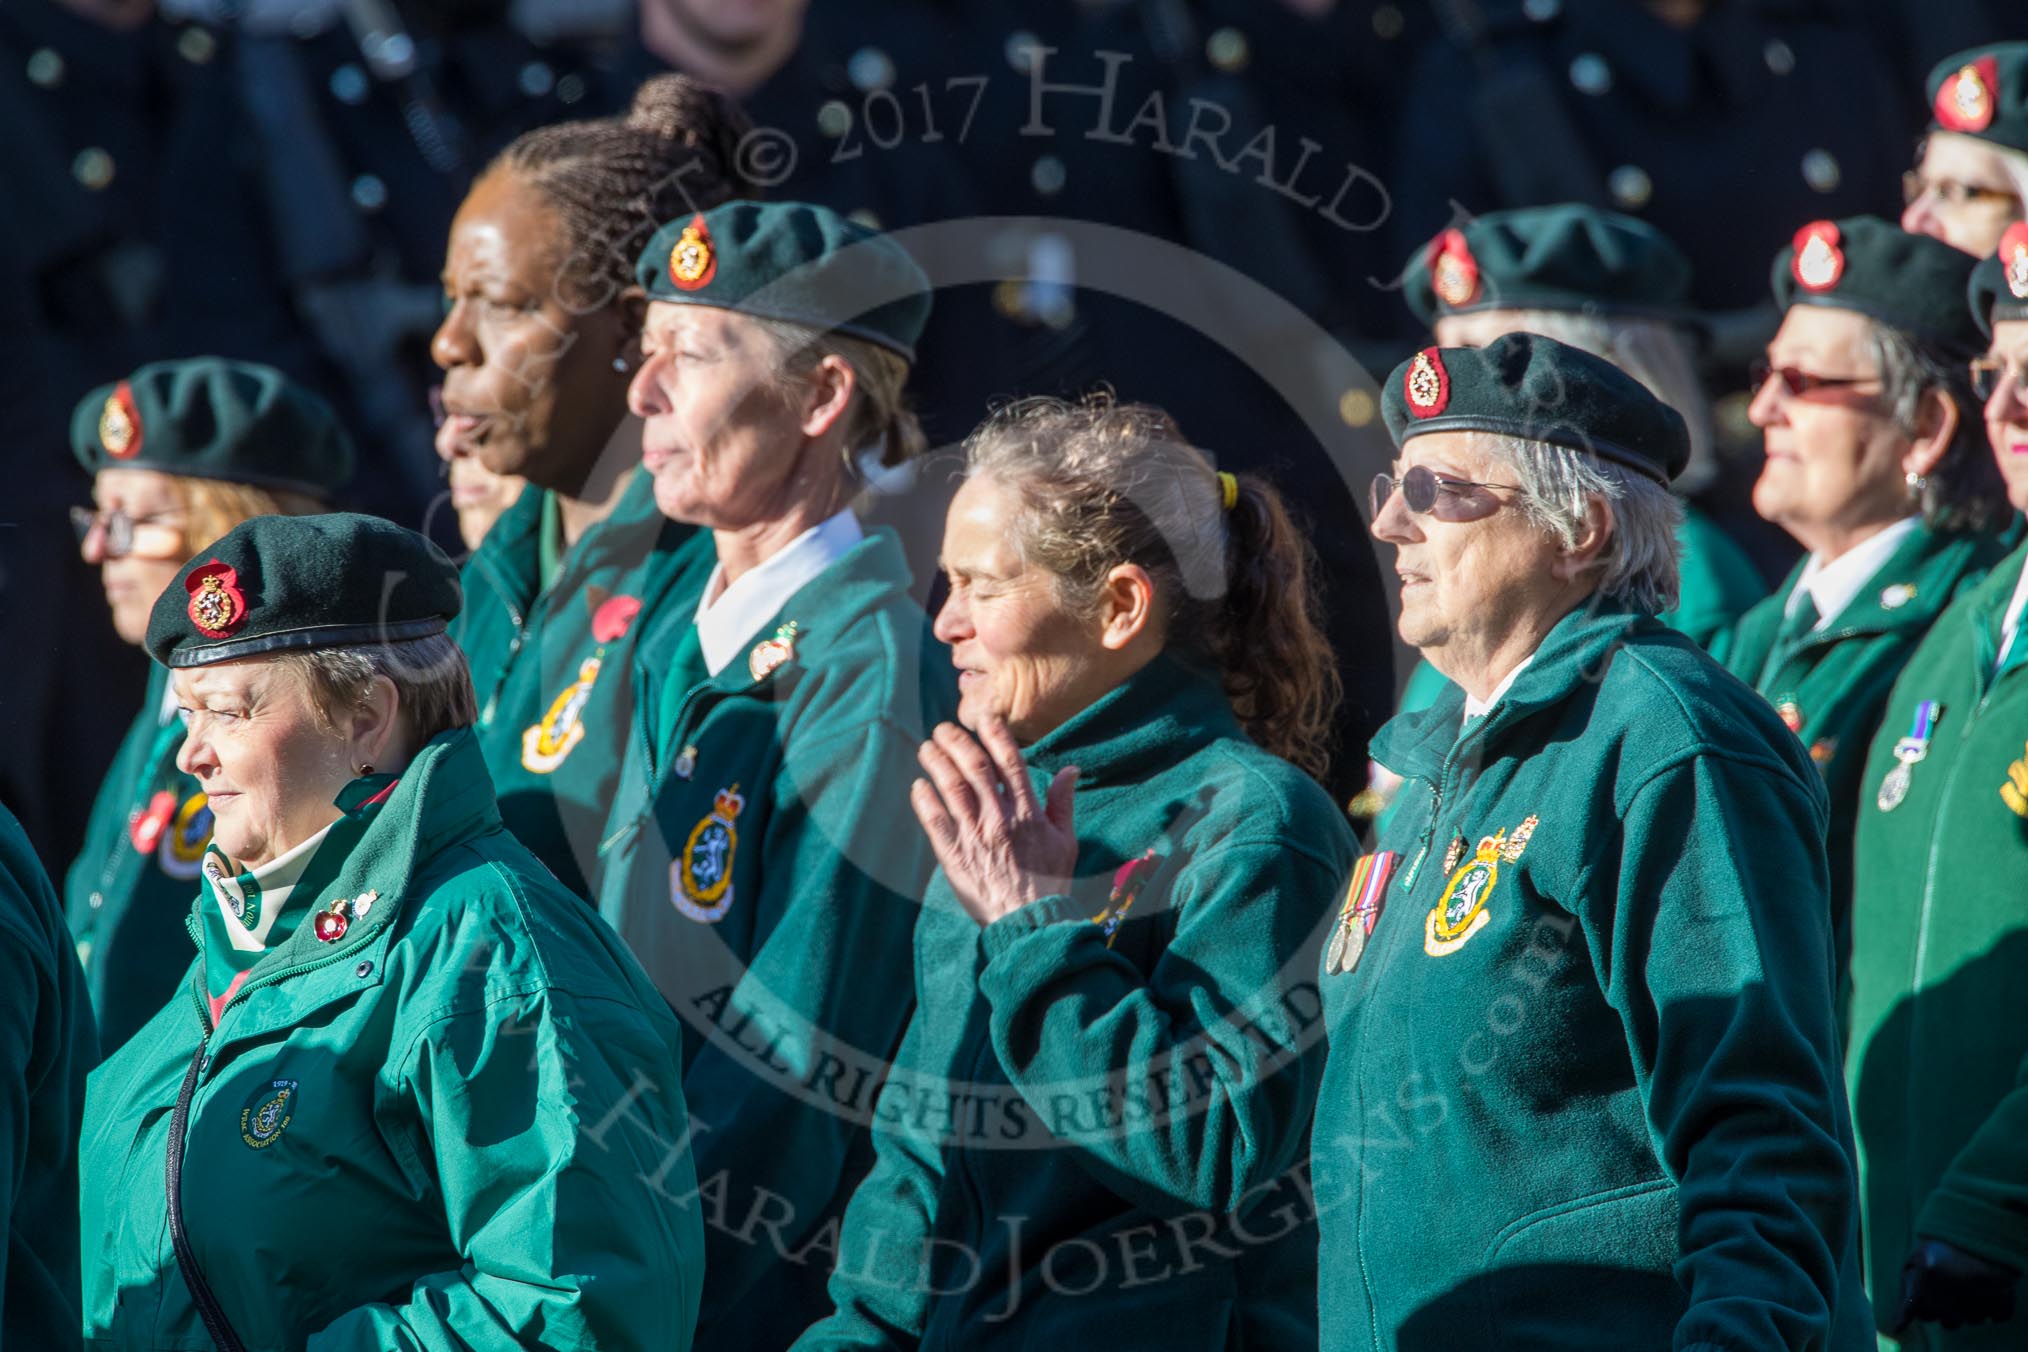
<point x="1894" y="787"/>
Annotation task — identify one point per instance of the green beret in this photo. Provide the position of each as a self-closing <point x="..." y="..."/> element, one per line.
<point x="1999" y="288"/>
<point x="1984" y="93"/>
<point x="215" y="419"/>
<point x="288" y="583"/>
<point x="1535" y="388"/>
<point x="795" y="262"/>
<point x="1567" y="257"/>
<point x="1908" y="282"/>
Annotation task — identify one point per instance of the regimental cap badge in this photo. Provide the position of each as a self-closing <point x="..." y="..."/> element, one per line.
<point x="120" y="424"/>
<point x="770" y="653"/>
<point x="1427" y="385"/>
<point x="1964" y="101"/>
<point x="2014" y="259"/>
<point x="1454" y="273"/>
<point x="217" y="606"/>
<point x="1819" y="261"/>
<point x="693" y="262"/>
<point x="267" y="1112"/>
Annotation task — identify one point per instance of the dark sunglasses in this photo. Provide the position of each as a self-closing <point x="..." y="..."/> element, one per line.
<point x="1799" y="382"/>
<point x="1427" y="492"/>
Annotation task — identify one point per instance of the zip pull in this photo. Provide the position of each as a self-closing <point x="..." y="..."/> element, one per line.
<point x="1428" y="838"/>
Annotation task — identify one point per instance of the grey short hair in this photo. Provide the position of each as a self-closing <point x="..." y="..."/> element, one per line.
<point x="1638" y="566"/>
<point x="1964" y="491"/>
<point x="429" y="674"/>
<point x="1655" y="352"/>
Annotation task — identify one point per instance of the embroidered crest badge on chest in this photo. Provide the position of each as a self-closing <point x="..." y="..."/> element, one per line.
<point x="546" y="745"/>
<point x="1361" y="911"/>
<point x="1128" y="880"/>
<point x="268" y="1112"/>
<point x="1461" y="911"/>
<point x="770" y="653"/>
<point x="700" y="881"/>
<point x="180" y="852"/>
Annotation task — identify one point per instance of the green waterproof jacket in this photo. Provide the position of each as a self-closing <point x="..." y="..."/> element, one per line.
<point x="47" y="1044"/>
<point x="1095" y="1133"/>
<point x="552" y="664"/>
<point x="764" y="864"/>
<point x="128" y="892"/>
<point x="1583" y="1088"/>
<point x="456" y="1128"/>
<point x="1830" y="685"/>
<point x="1939" y="1049"/>
<point x="1717" y="583"/>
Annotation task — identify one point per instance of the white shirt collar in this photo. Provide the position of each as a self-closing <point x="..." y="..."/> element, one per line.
<point x="276" y="879"/>
<point x="1475" y="709"/>
<point x="729" y="616"/>
<point x="2011" y="625"/>
<point x="1833" y="585"/>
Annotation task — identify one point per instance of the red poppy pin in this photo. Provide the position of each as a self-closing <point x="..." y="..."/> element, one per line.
<point x="613" y="618"/>
<point x="1819" y="261"/>
<point x="1453" y="272"/>
<point x="1427" y="385"/>
<point x="147" y="827"/>
<point x="1128" y="880"/>
<point x="2014" y="259"/>
<point x="217" y="606"/>
<point x="120" y="424"/>
<point x="1964" y="101"/>
<point x="693" y="261"/>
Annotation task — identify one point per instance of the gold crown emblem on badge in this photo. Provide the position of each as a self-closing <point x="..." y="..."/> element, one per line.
<point x="694" y="260"/>
<point x="2014" y="259"/>
<point x="217" y="606"/>
<point x="120" y="424"/>
<point x="1427" y="386"/>
<point x="728" y="802"/>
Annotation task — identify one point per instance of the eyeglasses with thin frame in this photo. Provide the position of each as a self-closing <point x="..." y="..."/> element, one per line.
<point x="1800" y="383"/>
<point x="1988" y="373"/>
<point x="154" y="536"/>
<point x="1951" y="192"/>
<point x="1427" y="492"/>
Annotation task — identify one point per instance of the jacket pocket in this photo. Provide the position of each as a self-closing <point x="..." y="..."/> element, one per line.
<point x="1609" y="1255"/>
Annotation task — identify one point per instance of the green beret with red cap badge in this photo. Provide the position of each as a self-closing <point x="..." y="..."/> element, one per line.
<point x="1983" y="92"/>
<point x="1567" y="257"/>
<point x="1913" y="283"/>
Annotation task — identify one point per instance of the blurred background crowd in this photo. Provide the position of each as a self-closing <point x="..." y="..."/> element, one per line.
<point x="275" y="180"/>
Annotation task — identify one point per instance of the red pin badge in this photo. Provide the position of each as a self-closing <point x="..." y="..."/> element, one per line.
<point x="1819" y="261"/>
<point x="1427" y="385"/>
<point x="217" y="606"/>
<point x="613" y="617"/>
<point x="120" y="424"/>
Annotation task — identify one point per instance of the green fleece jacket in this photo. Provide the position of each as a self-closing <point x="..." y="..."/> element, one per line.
<point x="1583" y="1087"/>
<point x="1096" y="1132"/>
<point x="551" y="660"/>
<point x="1830" y="685"/>
<point x="1939" y="1049"/>
<point x="128" y="892"/>
<point x="47" y="1045"/>
<point x="454" y="1126"/>
<point x="763" y="863"/>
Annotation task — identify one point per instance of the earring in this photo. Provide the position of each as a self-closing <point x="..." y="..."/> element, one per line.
<point x="365" y="769"/>
<point x="620" y="365"/>
<point x="1916" y="482"/>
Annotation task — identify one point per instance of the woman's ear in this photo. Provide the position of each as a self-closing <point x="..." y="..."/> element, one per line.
<point x="827" y="395"/>
<point x="1936" y="425"/>
<point x="374" y="734"/>
<point x="1592" y="533"/>
<point x="1126" y="606"/>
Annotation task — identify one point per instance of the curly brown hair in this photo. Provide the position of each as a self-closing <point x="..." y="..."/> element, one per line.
<point x="1102" y="483"/>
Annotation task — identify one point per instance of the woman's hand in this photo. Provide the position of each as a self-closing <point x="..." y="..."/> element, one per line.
<point x="999" y="847"/>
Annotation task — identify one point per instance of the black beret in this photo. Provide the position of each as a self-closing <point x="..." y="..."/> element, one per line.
<point x="1568" y="257"/>
<point x="287" y="583"/>
<point x="1984" y="93"/>
<point x="791" y="261"/>
<point x="1999" y="288"/>
<point x="1535" y="388"/>
<point x="210" y="418"/>
<point x="1908" y="282"/>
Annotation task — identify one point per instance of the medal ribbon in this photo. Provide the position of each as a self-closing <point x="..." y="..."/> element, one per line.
<point x="1925" y="721"/>
<point x="1369" y="879"/>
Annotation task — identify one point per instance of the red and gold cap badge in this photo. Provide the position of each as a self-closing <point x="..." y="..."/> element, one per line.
<point x="217" y="606"/>
<point x="1427" y="386"/>
<point x="693" y="262"/>
<point x="120" y="424"/>
<point x="1454" y="273"/>
<point x="2014" y="259"/>
<point x="1964" y="101"/>
<point x="1818" y="261"/>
